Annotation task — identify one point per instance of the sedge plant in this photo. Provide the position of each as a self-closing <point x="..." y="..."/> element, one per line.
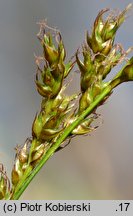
<point x="62" y="117"/>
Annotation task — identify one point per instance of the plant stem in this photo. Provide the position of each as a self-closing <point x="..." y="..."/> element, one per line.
<point x="55" y="146"/>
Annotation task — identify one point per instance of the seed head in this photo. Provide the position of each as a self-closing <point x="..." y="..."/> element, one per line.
<point x="103" y="33"/>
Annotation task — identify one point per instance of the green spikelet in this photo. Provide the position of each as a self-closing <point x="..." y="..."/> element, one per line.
<point x="49" y="83"/>
<point x="100" y="55"/>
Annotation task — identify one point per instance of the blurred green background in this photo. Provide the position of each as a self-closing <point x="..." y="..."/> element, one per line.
<point x="98" y="166"/>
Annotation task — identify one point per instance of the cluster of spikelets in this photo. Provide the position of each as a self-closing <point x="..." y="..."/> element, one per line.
<point x="100" y="55"/>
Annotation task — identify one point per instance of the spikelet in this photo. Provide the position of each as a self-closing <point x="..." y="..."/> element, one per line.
<point x="48" y="124"/>
<point x="5" y="190"/>
<point x="100" y="55"/>
<point x="104" y="31"/>
<point x="49" y="79"/>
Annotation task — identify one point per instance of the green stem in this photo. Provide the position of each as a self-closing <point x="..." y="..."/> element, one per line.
<point x="65" y="134"/>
